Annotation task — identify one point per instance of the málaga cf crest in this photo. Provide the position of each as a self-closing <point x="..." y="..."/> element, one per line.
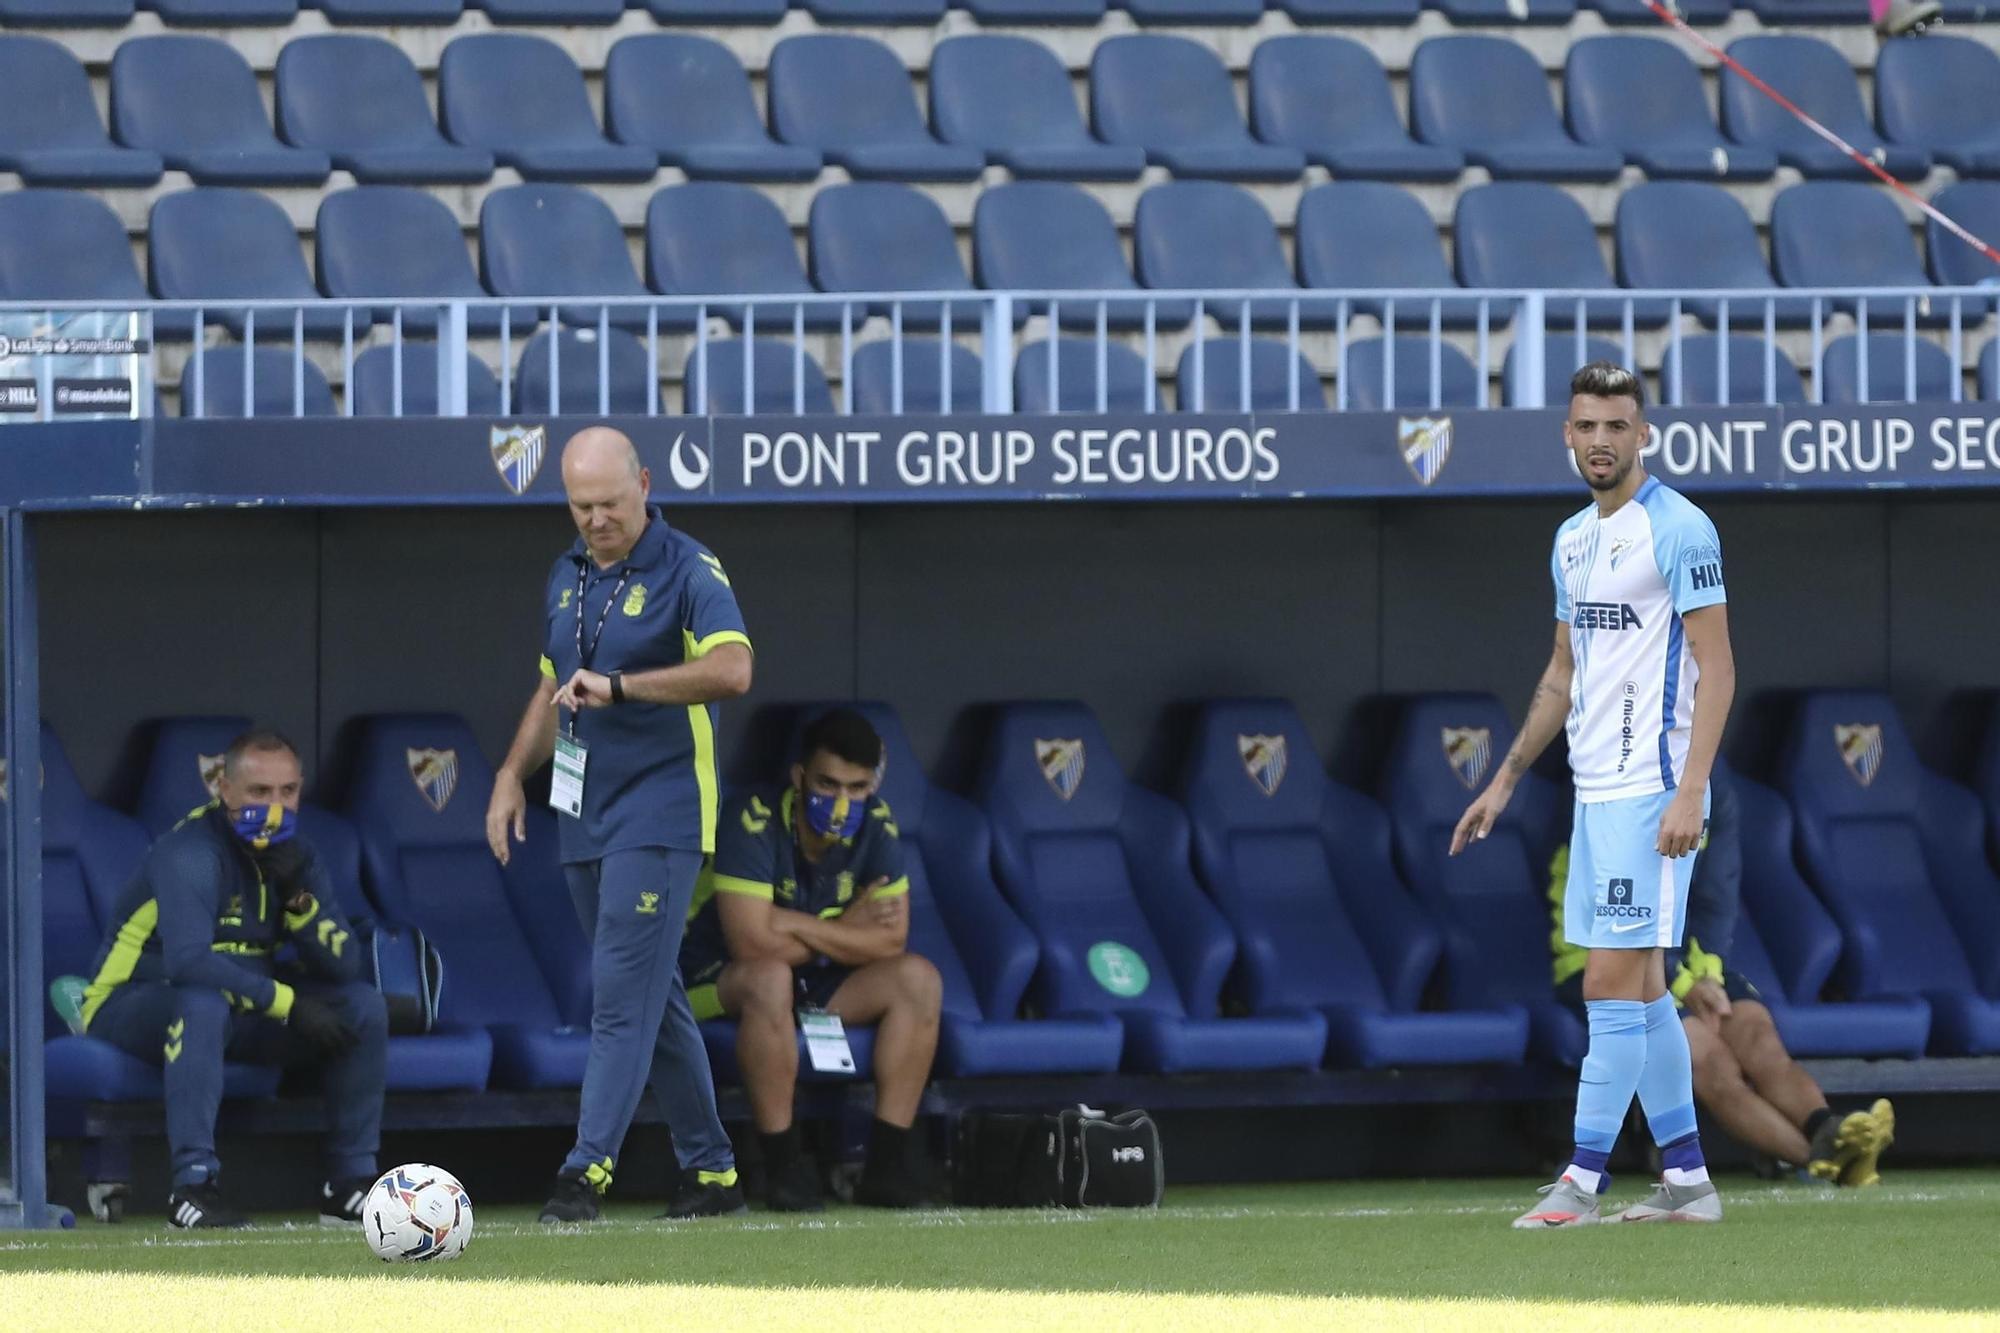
<point x="1860" y="747"/>
<point x="1061" y="763"/>
<point x="1264" y="760"/>
<point x="436" y="774"/>
<point x="210" y="768"/>
<point x="517" y="454"/>
<point x="1468" y="750"/>
<point x="1425" y="443"/>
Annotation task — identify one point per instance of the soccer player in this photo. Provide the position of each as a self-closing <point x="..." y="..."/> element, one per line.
<point x="1641" y="677"/>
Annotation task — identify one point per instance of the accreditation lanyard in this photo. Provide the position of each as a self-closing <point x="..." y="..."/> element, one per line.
<point x="571" y="756"/>
<point x="585" y="654"/>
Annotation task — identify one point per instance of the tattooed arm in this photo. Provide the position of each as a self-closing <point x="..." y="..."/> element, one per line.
<point x="1547" y="711"/>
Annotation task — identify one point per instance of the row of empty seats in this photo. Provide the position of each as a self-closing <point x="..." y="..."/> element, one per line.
<point x="357" y="103"/>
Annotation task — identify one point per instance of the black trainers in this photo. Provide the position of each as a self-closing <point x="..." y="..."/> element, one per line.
<point x="574" y="1199"/>
<point x="697" y="1197"/>
<point x="340" y="1201"/>
<point x="201" y="1206"/>
<point x="793" y="1187"/>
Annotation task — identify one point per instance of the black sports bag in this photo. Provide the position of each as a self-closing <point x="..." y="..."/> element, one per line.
<point x="1076" y="1158"/>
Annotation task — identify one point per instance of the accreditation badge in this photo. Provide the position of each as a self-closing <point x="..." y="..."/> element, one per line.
<point x="566" y="787"/>
<point x="826" y="1042"/>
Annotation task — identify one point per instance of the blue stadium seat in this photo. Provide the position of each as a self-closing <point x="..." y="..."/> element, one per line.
<point x="1076" y="374"/>
<point x="1846" y="234"/>
<point x="215" y="244"/>
<point x="399" y="242"/>
<point x="579" y="353"/>
<point x="52" y="134"/>
<point x="1893" y="376"/>
<point x="361" y="101"/>
<point x="1974" y="205"/>
<point x="391" y="13"/>
<point x="1690" y="236"/>
<point x="194" y="101"/>
<point x="419" y="796"/>
<point x="992" y="13"/>
<point x="1897" y="854"/>
<point x="559" y="240"/>
<point x="522" y="99"/>
<point x="1942" y="97"/>
<point x="1302" y="870"/>
<point x="1642" y="97"/>
<point x="225" y="378"/>
<point x="782" y="382"/>
<point x="923" y="387"/>
<point x="65" y="245"/>
<point x="717" y="13"/>
<point x="1099" y="869"/>
<point x="1528" y="234"/>
<point x="1701" y="376"/>
<point x="1223" y="387"/>
<point x="718" y="238"/>
<point x="1187" y="13"/>
<point x="1371" y="379"/>
<point x="1171" y="97"/>
<point x="1209" y="234"/>
<point x="1354" y="235"/>
<point x="1488" y="98"/>
<point x="1504" y="13"/>
<point x="374" y="385"/>
<point x="850" y="98"/>
<point x="1633" y="13"/>
<point x="1492" y="899"/>
<point x="555" y="13"/>
<point x="223" y="13"/>
<point x="65" y="13"/>
<point x="875" y="13"/>
<point x="1822" y="83"/>
<point x="687" y="99"/>
<point x="1044" y="236"/>
<point x="1329" y="98"/>
<point x="1560" y="361"/>
<point x="1316" y="12"/>
<point x="1009" y="97"/>
<point x="875" y="236"/>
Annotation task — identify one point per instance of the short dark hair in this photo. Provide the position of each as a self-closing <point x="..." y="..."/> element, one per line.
<point x="1601" y="379"/>
<point x="844" y="734"/>
<point x="257" y="740"/>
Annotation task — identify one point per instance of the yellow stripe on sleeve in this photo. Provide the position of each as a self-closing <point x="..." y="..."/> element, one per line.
<point x="698" y="648"/>
<point x="895" y="888"/>
<point x="748" y="888"/>
<point x="548" y="668"/>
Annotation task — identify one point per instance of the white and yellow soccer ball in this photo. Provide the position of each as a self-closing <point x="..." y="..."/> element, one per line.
<point x="416" y="1213"/>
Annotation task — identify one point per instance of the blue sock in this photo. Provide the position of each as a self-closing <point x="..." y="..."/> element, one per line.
<point x="1666" y="1091"/>
<point x="1604" y="1089"/>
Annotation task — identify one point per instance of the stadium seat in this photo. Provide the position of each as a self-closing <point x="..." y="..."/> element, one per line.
<point x="223" y="13"/>
<point x="65" y="245"/>
<point x="1487" y="97"/>
<point x="554" y="13"/>
<point x="392" y="13"/>
<point x="1371" y="380"/>
<point x="1308" y="13"/>
<point x="1491" y="900"/>
<point x="1974" y="205"/>
<point x="1042" y="236"/>
<point x="399" y="242"/>
<point x="52" y="134"/>
<point x="1847" y="234"/>
<point x="194" y="101"/>
<point x="65" y="13"/>
<point x="1942" y="97"/>
<point x="1222" y="385"/>
<point x="874" y="236"/>
<point x="580" y="356"/>
<point x="1004" y="12"/>
<point x="268" y="380"/>
<point x="850" y="98"/>
<point x="1777" y="13"/>
<point x="1099" y="869"/>
<point x="1329" y="98"/>
<point x="361" y="101"/>
<point x="1504" y="13"/>
<point x="1009" y="97"/>
<point x="560" y="240"/>
<point x="782" y="380"/>
<point x="717" y="238"/>
<point x="1691" y="236"/>
<point x="717" y="13"/>
<point x="1171" y="97"/>
<point x="418" y="795"/>
<point x="1642" y="97"/>
<point x="1560" y="360"/>
<point x="1633" y="13"/>
<point x="875" y="13"/>
<point x="687" y="99"/>
<point x="374" y="382"/>
<point x="1897" y="855"/>
<point x="1076" y="383"/>
<point x="1188" y="13"/>
<point x="1302" y="870"/>
<point x="1208" y="234"/>
<point x="923" y="384"/>
<point x="1822" y="83"/>
<point x="1918" y="372"/>
<point x="1701" y="375"/>
<point x="1355" y="235"/>
<point x="217" y="244"/>
<point x="1528" y="234"/>
<point x="522" y="99"/>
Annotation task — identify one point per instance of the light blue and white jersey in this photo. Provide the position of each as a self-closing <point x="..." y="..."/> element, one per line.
<point x="1622" y="585"/>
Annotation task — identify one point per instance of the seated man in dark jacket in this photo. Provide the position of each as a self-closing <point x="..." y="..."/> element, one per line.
<point x="191" y="973"/>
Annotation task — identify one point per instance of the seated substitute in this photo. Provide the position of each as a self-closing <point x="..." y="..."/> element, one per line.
<point x="1743" y="1075"/>
<point x="805" y="903"/>
<point x="190" y="975"/>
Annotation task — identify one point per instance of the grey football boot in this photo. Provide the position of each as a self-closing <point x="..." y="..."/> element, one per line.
<point x="1564" y="1204"/>
<point x="1676" y="1203"/>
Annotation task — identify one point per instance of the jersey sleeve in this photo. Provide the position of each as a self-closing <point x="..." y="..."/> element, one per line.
<point x="324" y="939"/>
<point x="1690" y="559"/>
<point x="886" y="859"/>
<point x="1556" y="575"/>
<point x="185" y="881"/>
<point x="713" y="617"/>
<point x="745" y="861"/>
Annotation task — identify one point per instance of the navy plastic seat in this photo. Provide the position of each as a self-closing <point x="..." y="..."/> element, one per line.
<point x="1633" y="13"/>
<point x="1846" y="234"/>
<point x="876" y="12"/>
<point x="1684" y="235"/>
<point x="1208" y="234"/>
<point x="875" y="236"/>
<point x="399" y="242"/>
<point x="52" y="134"/>
<point x="1491" y="900"/>
<point x="1942" y="97"/>
<point x="1371" y="379"/>
<point x="1822" y="83"/>
<point x="1076" y="386"/>
<point x="194" y="101"/>
<point x="1352" y="235"/>
<point x="1302" y="869"/>
<point x="1194" y="12"/>
<point x="1560" y="361"/>
<point x="361" y="101"/>
<point x="392" y="13"/>
<point x="1329" y="98"/>
<point x="923" y="378"/>
<point x="1023" y="12"/>
<point x="1891" y="377"/>
<point x="66" y="13"/>
<point x="1099" y="869"/>
<point x="717" y="13"/>
<point x="1488" y="98"/>
<point x="1009" y="97"/>
<point x="1778" y="13"/>
<point x="1223" y="386"/>
<point x="1171" y="97"/>
<point x="782" y="382"/>
<point x="215" y="244"/>
<point x="1701" y="374"/>
<point x="267" y="379"/>
<point x="522" y="99"/>
<point x="555" y="13"/>
<point x="1642" y="97"/>
<point x="718" y="238"/>
<point x="1897" y="854"/>
<point x="850" y="98"/>
<point x="1044" y="236"/>
<point x="687" y="99"/>
<point x="1317" y="12"/>
<point x="1974" y="205"/>
<point x="1505" y="13"/>
<point x="65" y="245"/>
<point x="223" y="13"/>
<point x="580" y="354"/>
<point x="559" y="240"/>
<point x="1528" y="234"/>
<point x="375" y="386"/>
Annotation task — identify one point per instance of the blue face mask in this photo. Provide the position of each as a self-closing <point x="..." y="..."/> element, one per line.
<point x="262" y="827"/>
<point x="834" y="816"/>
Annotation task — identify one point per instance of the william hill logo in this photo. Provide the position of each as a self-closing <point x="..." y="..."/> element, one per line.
<point x="1606" y="615"/>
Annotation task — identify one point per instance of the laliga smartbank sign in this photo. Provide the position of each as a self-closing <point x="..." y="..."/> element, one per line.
<point x="1909" y="444"/>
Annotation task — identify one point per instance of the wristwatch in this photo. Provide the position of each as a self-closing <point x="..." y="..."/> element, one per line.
<point x="617" y="679"/>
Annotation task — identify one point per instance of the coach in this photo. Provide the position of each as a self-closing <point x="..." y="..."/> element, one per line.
<point x="642" y="638"/>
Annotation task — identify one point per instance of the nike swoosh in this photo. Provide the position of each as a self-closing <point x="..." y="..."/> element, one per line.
<point x="1636" y="925"/>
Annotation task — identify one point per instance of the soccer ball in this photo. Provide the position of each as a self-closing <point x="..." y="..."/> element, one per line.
<point x="416" y="1213"/>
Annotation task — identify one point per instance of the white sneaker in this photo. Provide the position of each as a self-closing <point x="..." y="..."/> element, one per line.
<point x="1564" y="1204"/>
<point x="1676" y="1203"/>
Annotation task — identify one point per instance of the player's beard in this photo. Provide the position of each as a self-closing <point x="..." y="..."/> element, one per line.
<point x="1620" y="469"/>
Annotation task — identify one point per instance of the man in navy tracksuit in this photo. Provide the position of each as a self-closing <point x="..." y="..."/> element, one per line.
<point x="191" y="973"/>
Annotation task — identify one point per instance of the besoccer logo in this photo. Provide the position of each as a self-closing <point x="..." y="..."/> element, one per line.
<point x="1618" y="903"/>
<point x="1621" y="891"/>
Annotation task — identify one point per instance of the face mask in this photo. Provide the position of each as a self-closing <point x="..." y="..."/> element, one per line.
<point x="834" y="816"/>
<point x="262" y="827"/>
